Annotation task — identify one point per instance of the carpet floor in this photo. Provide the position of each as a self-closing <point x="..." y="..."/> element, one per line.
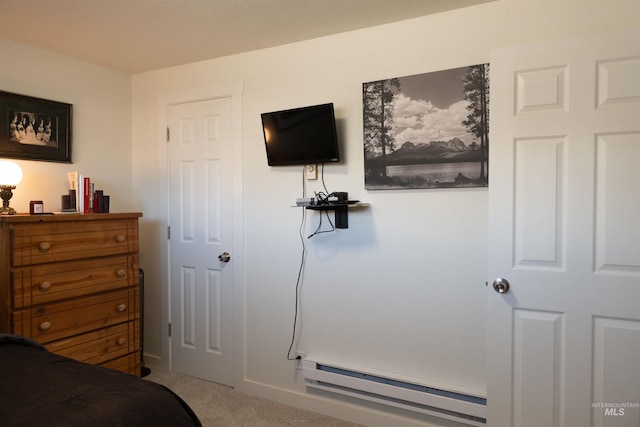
<point x="219" y="405"/>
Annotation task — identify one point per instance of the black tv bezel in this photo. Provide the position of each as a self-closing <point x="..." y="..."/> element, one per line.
<point x="308" y="160"/>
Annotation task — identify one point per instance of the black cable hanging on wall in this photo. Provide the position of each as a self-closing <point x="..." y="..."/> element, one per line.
<point x="300" y="269"/>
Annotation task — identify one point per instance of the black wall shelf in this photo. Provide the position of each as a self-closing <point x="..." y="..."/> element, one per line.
<point x="341" y="210"/>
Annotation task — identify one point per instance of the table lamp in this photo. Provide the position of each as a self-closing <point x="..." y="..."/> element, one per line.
<point x="10" y="177"/>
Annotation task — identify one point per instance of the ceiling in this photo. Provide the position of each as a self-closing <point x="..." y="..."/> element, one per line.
<point x="135" y="36"/>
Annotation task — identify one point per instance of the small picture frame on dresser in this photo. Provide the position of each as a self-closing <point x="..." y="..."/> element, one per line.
<point x="36" y="207"/>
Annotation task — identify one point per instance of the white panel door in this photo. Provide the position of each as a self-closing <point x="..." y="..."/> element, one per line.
<point x="564" y="199"/>
<point x="201" y="292"/>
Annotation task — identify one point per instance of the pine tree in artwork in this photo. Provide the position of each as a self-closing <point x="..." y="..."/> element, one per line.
<point x="378" y="121"/>
<point x="476" y="86"/>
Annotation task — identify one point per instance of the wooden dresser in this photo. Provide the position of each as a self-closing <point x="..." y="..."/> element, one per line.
<point x="72" y="283"/>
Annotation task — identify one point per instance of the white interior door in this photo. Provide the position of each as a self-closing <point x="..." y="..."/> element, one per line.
<point x="564" y="198"/>
<point x="201" y="291"/>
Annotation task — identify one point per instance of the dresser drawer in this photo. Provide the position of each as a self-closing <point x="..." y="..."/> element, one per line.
<point x="53" y="322"/>
<point x="58" y="241"/>
<point x="128" y="364"/>
<point x="43" y="284"/>
<point x="100" y="346"/>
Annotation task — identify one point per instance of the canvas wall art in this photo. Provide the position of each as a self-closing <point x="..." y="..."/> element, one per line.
<point x="428" y="130"/>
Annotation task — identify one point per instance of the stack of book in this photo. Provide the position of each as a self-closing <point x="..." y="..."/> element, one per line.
<point x="84" y="198"/>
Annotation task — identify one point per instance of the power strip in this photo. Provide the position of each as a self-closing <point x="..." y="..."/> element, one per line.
<point x="305" y="201"/>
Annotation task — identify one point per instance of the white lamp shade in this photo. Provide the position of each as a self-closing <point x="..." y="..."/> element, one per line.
<point x="10" y="173"/>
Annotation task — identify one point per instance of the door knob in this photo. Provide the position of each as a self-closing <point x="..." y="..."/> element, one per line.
<point x="501" y="285"/>
<point x="224" y="257"/>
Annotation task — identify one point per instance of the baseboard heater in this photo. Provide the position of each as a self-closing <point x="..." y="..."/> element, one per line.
<point x="398" y="392"/>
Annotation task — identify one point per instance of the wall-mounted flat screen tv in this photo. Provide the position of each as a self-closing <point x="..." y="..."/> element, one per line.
<point x="301" y="136"/>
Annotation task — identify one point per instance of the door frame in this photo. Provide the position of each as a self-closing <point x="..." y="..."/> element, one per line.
<point x="233" y="90"/>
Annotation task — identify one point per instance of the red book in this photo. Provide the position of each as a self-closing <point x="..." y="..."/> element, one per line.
<point x="87" y="195"/>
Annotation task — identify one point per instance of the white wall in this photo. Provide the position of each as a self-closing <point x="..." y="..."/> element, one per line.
<point x="402" y="290"/>
<point x="101" y="124"/>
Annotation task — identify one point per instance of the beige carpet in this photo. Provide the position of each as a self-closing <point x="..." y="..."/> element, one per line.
<point x="218" y="405"/>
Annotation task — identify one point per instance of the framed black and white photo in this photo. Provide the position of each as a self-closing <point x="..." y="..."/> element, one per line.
<point x="34" y="129"/>
<point x="427" y="130"/>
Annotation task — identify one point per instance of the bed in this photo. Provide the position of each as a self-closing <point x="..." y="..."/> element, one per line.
<point x="39" y="388"/>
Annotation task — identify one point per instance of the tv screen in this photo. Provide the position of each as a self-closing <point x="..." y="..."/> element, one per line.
<point x="301" y="136"/>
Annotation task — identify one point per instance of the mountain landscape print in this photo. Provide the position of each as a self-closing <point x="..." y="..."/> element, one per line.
<point x="428" y="130"/>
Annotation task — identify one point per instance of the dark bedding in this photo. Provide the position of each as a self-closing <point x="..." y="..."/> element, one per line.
<point x="39" y="388"/>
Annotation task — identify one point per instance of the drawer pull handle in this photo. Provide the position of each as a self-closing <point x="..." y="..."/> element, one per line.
<point x="45" y="286"/>
<point x="121" y="308"/>
<point x="44" y="326"/>
<point x="121" y="238"/>
<point x="44" y="246"/>
<point x="122" y="341"/>
<point x="121" y="273"/>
